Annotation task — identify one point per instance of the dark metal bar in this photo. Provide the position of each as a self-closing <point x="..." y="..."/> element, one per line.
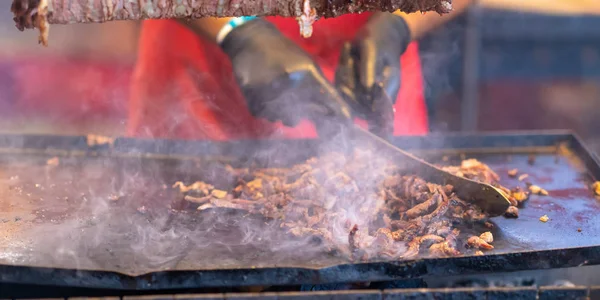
<point x="176" y="148"/>
<point x="567" y="293"/>
<point x="524" y="293"/>
<point x="545" y="292"/>
<point x="470" y="84"/>
<point x="594" y="292"/>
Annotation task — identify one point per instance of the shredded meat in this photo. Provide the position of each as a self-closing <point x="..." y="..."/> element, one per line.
<point x="383" y="211"/>
<point x="479" y="243"/>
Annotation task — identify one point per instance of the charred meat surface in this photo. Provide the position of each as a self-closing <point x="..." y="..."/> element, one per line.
<point x="41" y="13"/>
<point x="479" y="243"/>
<point x="358" y="205"/>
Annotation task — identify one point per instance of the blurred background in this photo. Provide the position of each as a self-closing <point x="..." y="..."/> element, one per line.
<point x="506" y="65"/>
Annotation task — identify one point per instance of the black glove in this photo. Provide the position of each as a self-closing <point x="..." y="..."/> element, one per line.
<point x="368" y="75"/>
<point x="279" y="80"/>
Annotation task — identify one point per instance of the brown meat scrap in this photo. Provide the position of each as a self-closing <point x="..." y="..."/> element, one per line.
<point x="538" y="190"/>
<point x="487" y="237"/>
<point x="475" y="170"/>
<point x="596" y="188"/>
<point x="478" y="243"/>
<point x="383" y="211"/>
<point x="512" y="212"/>
<point x="519" y="195"/>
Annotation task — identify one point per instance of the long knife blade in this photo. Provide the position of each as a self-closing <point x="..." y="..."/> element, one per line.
<point x="489" y="198"/>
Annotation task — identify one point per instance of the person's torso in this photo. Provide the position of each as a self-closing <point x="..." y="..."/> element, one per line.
<point x="184" y="86"/>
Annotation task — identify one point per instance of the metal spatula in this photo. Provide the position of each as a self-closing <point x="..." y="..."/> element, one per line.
<point x="489" y="198"/>
<point x="380" y="118"/>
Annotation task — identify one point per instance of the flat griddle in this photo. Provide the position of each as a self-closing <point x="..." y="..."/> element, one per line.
<point x="102" y="217"/>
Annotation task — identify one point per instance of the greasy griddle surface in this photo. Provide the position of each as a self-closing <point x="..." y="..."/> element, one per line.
<point x="115" y="215"/>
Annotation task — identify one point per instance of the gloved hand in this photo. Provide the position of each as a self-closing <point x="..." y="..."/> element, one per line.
<point x="279" y="80"/>
<point x="370" y="64"/>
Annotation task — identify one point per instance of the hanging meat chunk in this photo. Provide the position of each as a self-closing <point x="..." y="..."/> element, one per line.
<point x="40" y="13"/>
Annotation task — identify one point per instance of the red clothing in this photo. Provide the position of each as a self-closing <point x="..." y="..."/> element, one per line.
<point x="183" y="86"/>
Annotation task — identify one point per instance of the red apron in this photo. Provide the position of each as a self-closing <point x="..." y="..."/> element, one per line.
<point x="183" y="86"/>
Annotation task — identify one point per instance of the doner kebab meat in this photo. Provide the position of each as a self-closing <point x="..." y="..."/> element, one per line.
<point x="359" y="206"/>
<point x="41" y="13"/>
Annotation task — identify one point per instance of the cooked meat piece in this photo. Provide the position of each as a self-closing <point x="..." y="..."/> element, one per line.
<point x="414" y="246"/>
<point x="218" y="194"/>
<point x="422" y="208"/>
<point x="413" y="249"/>
<point x="443" y="249"/>
<point x="446" y="248"/>
<point x="399" y="224"/>
<point x="513" y="172"/>
<point x="448" y="189"/>
<point x="470" y="164"/>
<point x="198" y="187"/>
<point x="512" y="212"/>
<point x="231" y="204"/>
<point x="474" y="214"/>
<point x="487" y="237"/>
<point x="519" y="195"/>
<point x="478" y="243"/>
<point x="523" y="177"/>
<point x="596" y="188"/>
<point x="537" y="190"/>
<point x="475" y="170"/>
<point x="430" y="239"/>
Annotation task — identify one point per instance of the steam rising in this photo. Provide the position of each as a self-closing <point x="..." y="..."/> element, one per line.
<point x="122" y="215"/>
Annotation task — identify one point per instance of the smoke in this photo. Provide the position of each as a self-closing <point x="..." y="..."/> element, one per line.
<point x="120" y="214"/>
